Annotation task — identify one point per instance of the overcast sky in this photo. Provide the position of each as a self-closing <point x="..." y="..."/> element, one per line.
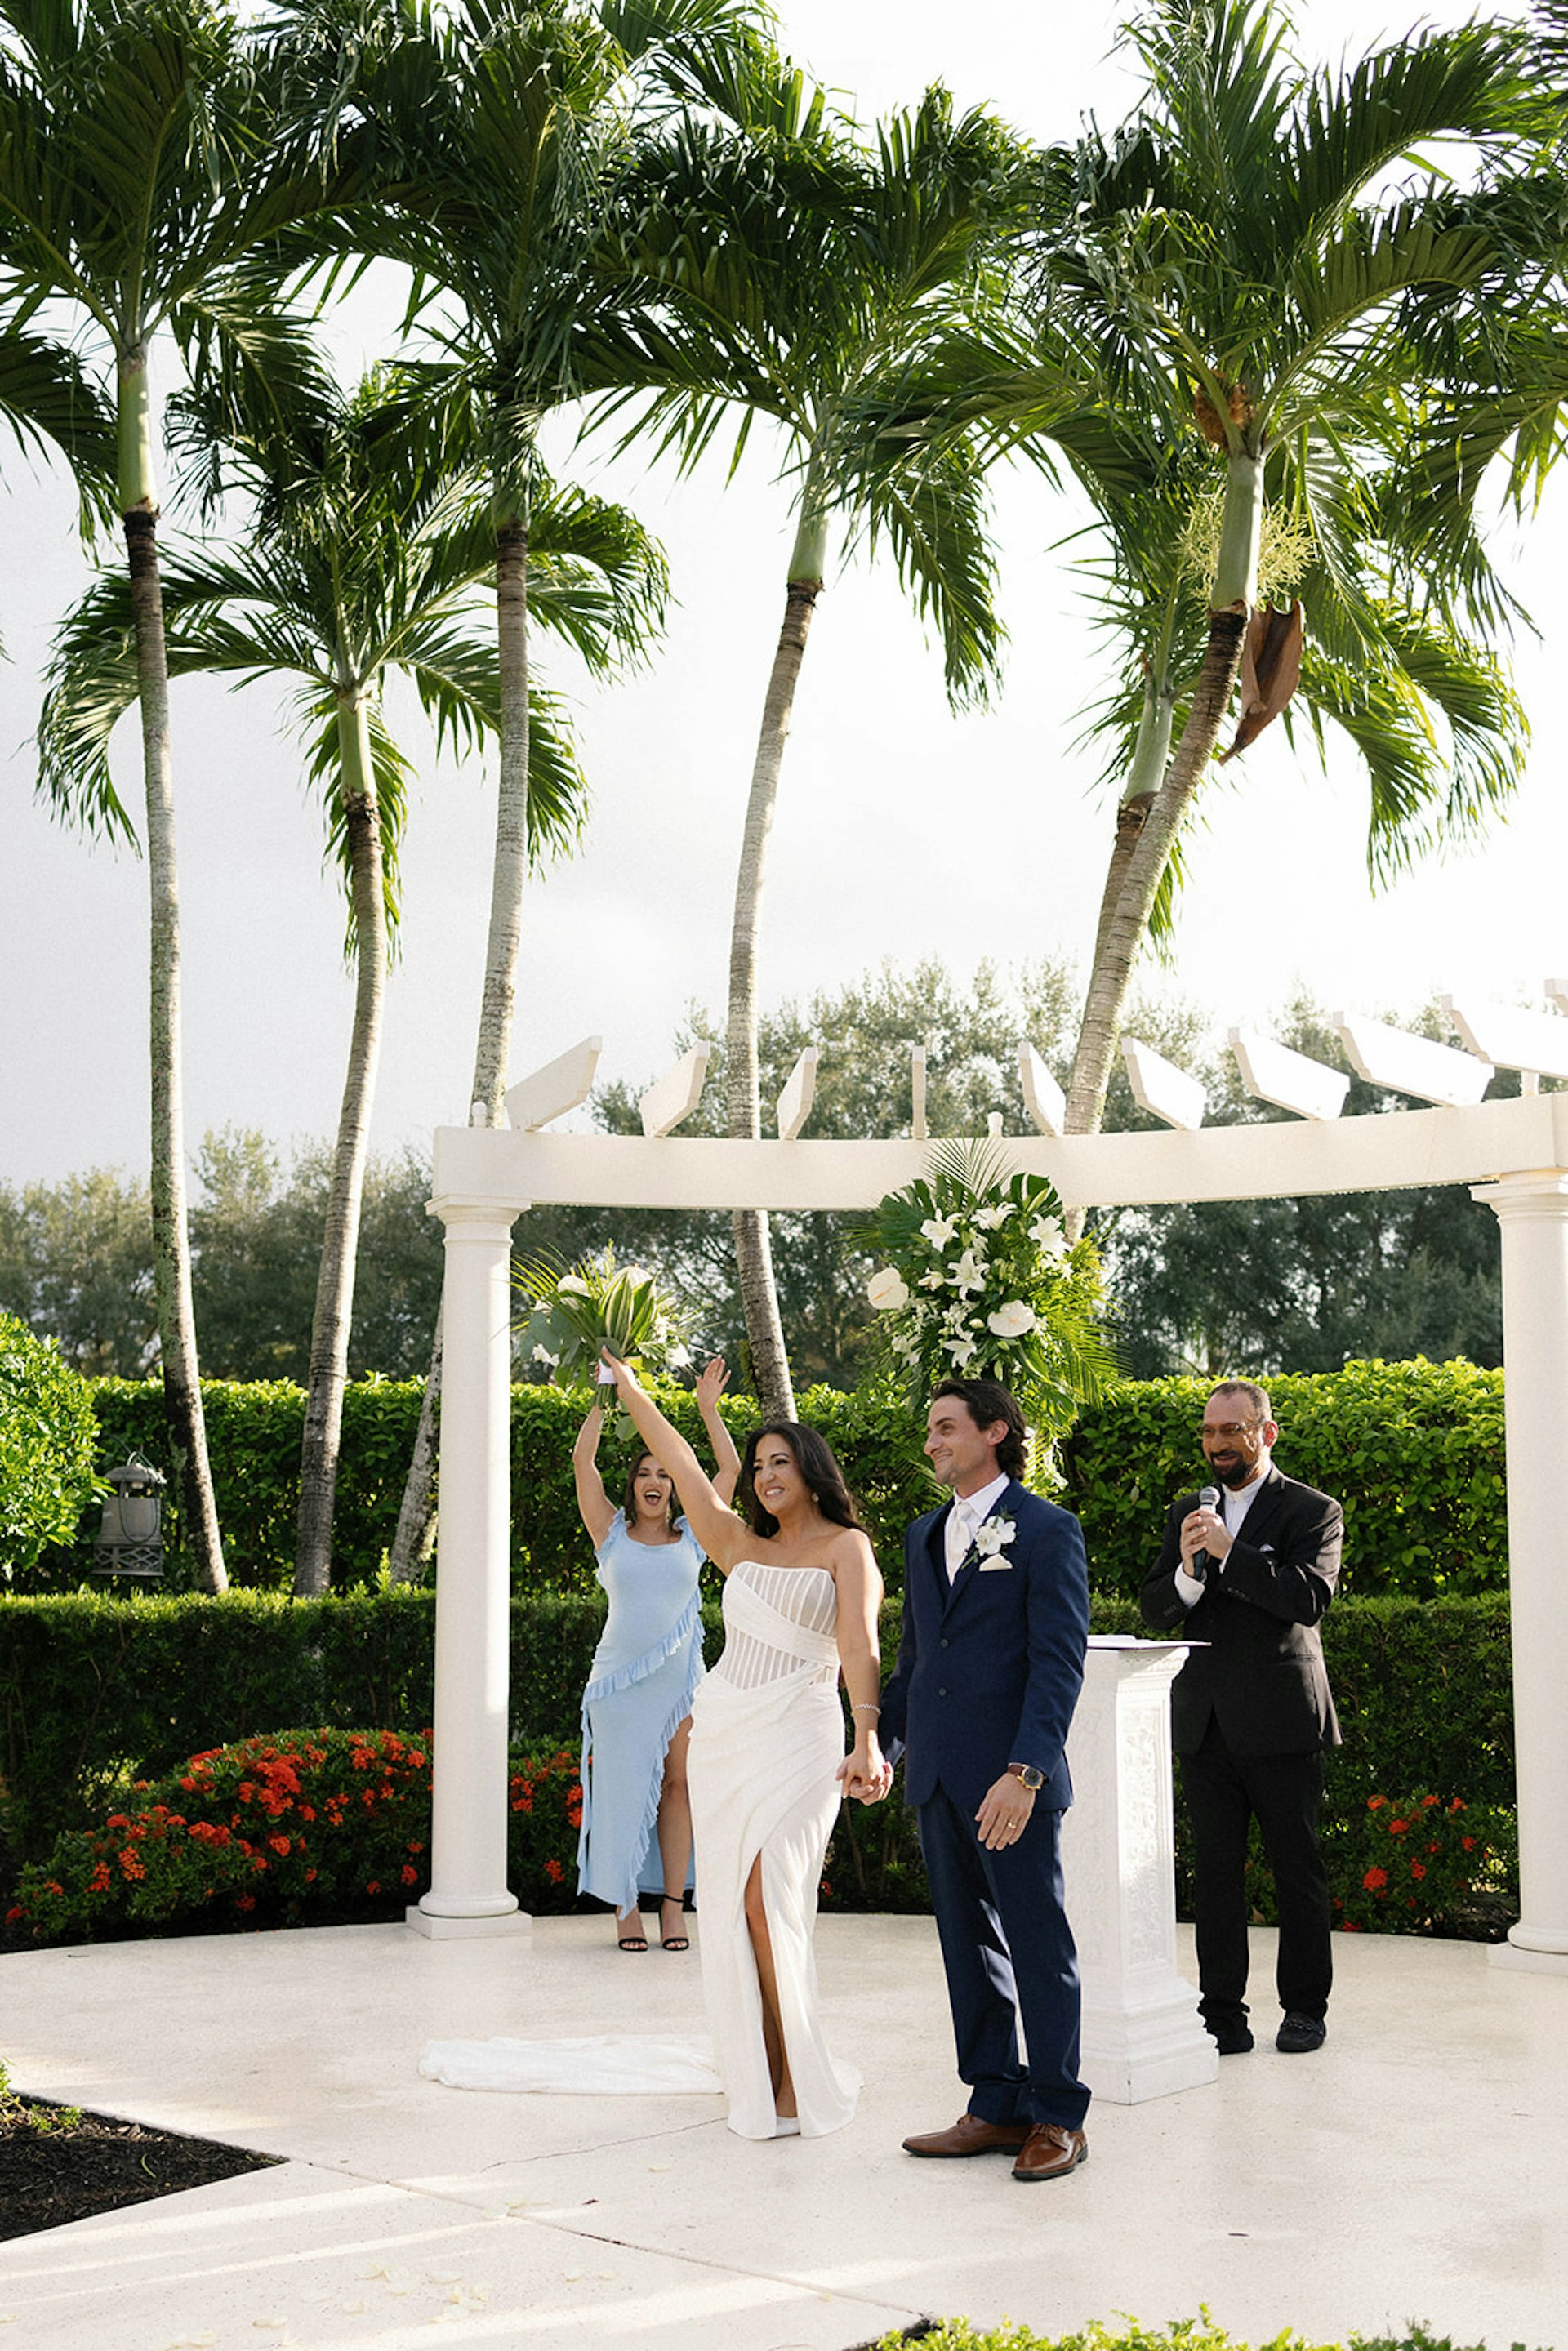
<point x="901" y="830"/>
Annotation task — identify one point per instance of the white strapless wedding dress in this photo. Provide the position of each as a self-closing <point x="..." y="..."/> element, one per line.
<point x="768" y="1735"/>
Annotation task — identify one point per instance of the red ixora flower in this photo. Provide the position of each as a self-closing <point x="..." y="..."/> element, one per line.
<point x="555" y="1872"/>
<point x="1398" y="1828"/>
<point x="1469" y="1843"/>
<point x="1375" y="1880"/>
<point x="1418" y="1869"/>
<point x="1372" y="1803"/>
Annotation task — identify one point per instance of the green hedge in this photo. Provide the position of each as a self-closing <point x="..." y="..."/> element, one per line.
<point x="96" y="1692"/>
<point x="1414" y="1450"/>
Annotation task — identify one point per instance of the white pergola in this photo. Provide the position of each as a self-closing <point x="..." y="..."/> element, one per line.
<point x="1512" y="1153"/>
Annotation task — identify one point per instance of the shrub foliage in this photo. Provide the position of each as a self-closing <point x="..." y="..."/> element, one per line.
<point x="1414" y="1451"/>
<point x="47" y="1436"/>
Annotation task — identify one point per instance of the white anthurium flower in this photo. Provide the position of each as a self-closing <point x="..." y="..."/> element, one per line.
<point x="1012" y="1321"/>
<point x="887" y="1291"/>
<point x="636" y="1273"/>
<point x="568" y="1286"/>
<point x="993" y="1536"/>
<point x="938" y="1230"/>
<point x="991" y="1220"/>
<point x="968" y="1273"/>
<point x="1048" y="1237"/>
<point x="962" y="1349"/>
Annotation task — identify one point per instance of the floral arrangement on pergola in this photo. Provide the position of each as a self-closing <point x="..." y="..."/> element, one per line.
<point x="979" y="1278"/>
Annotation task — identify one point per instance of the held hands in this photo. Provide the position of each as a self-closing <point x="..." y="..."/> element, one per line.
<point x="1005" y="1812"/>
<point x="866" y="1772"/>
<point x="1203" y="1531"/>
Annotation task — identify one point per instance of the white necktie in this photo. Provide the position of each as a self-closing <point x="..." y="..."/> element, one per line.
<point x="963" y="1541"/>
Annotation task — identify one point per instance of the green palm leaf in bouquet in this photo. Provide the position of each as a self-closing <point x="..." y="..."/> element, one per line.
<point x="571" y="1312"/>
<point x="977" y="1280"/>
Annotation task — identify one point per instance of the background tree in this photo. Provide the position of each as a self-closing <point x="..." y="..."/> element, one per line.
<point x="804" y="273"/>
<point x="143" y="174"/>
<point x="370" y="547"/>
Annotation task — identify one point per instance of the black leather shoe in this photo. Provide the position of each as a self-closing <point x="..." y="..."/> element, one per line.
<point x="1231" y="2040"/>
<point x="1299" y="2034"/>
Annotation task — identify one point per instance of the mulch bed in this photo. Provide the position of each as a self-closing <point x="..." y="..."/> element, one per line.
<point x="98" y="2164"/>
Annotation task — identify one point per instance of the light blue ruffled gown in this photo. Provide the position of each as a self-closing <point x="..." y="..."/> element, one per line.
<point x="640" y="1689"/>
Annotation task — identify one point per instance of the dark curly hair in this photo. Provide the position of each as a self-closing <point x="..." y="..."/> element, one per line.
<point x="815" y="1460"/>
<point x="986" y="1401"/>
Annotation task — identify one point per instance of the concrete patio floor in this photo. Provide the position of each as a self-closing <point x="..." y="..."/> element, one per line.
<point x="1416" y="2169"/>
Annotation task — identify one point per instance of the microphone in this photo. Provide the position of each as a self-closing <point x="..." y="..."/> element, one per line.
<point x="1208" y="1500"/>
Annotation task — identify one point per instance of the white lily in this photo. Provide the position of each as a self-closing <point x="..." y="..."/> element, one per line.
<point x="968" y="1273"/>
<point x="939" y="1230"/>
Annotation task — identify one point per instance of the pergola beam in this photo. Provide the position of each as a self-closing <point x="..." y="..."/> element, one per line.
<point x="478" y="1167"/>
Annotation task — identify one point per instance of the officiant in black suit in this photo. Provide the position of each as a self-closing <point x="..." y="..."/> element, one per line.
<point x="996" y="1618"/>
<point x="1252" y="1712"/>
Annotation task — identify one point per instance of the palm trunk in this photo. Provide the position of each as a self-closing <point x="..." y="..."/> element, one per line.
<point x="412" y="1543"/>
<point x="753" y="1246"/>
<point x="1124" y="915"/>
<point x="171" y="1231"/>
<point x="339" y="1248"/>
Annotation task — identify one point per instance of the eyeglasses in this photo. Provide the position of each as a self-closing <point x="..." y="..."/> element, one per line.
<point x="1231" y="1428"/>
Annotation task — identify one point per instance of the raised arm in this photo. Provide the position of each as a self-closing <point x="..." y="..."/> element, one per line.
<point x="597" y="1509"/>
<point x="719" y="1532"/>
<point x="711" y="1384"/>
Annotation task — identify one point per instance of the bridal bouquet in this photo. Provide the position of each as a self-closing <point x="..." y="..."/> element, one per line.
<point x="574" y="1311"/>
<point x="978" y="1279"/>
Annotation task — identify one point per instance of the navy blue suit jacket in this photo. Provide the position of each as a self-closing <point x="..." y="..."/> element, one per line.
<point x="989" y="1666"/>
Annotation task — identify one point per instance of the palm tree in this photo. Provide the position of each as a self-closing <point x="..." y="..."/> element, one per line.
<point x="802" y="277"/>
<point x="370" y="553"/>
<point x="1234" y="265"/>
<point x="504" y="127"/>
<point x="142" y="177"/>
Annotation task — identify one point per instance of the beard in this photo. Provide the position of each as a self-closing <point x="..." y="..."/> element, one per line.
<point x="1235" y="1473"/>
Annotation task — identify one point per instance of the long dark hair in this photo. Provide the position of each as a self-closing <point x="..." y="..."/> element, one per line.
<point x="629" y="1499"/>
<point x="815" y="1460"/>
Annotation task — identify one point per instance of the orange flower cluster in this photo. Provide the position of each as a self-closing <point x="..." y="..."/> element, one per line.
<point x="1417" y="1864"/>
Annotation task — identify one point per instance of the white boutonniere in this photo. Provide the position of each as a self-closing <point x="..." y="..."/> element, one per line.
<point x="991" y="1540"/>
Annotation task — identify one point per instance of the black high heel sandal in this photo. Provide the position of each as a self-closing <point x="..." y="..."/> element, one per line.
<point x="673" y="1942"/>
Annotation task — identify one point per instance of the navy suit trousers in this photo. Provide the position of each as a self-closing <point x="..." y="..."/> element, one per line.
<point x="1008" y="1952"/>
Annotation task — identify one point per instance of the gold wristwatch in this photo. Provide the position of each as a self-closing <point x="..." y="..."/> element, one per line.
<point x="1032" y="1779"/>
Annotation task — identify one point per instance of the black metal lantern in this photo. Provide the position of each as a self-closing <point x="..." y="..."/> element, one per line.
<point x="130" y="1540"/>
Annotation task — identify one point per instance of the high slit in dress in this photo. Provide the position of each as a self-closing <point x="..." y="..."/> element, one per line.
<point x="767" y="1737"/>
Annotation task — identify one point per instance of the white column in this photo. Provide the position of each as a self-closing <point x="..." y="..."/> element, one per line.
<point x="468" y="1894"/>
<point x="1533" y="1210"/>
<point x="1143" y="2035"/>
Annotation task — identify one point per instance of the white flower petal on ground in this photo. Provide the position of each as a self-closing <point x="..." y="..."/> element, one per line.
<point x="1012" y="1321"/>
<point x="887" y="1290"/>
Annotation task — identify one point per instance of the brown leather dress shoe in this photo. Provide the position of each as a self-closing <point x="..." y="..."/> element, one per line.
<point x="1049" y="2152"/>
<point x="971" y="2135"/>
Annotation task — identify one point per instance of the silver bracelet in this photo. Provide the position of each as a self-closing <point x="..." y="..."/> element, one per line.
<point x="865" y="1707"/>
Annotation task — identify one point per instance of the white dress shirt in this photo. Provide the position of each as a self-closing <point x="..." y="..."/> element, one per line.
<point x="970" y="1512"/>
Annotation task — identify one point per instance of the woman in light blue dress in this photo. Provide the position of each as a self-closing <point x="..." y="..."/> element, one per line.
<point x="636" y="1708"/>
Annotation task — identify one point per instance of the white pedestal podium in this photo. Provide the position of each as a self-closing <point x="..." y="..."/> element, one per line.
<point x="1143" y="2036"/>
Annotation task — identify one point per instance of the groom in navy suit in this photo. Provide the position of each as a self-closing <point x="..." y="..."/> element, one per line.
<point x="996" y="1618"/>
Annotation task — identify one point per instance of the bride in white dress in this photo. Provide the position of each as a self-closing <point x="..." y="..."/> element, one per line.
<point x="766" y="1766"/>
